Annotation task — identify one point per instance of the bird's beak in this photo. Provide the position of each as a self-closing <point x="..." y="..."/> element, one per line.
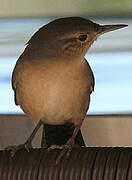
<point x="107" y="28"/>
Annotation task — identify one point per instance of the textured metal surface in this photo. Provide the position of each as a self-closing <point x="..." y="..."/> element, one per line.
<point x="93" y="163"/>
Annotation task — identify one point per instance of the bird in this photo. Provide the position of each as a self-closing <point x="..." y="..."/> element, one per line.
<point x="52" y="80"/>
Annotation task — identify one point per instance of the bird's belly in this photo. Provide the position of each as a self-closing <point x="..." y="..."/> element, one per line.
<point x="54" y="97"/>
<point x="54" y="103"/>
<point x="63" y="103"/>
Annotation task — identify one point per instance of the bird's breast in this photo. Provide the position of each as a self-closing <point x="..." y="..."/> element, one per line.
<point x="54" y="91"/>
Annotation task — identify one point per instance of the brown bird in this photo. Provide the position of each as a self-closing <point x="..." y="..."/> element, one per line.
<point x="52" y="81"/>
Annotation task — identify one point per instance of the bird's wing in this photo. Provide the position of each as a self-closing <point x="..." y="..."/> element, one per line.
<point x="14" y="80"/>
<point x="92" y="75"/>
<point x="14" y="87"/>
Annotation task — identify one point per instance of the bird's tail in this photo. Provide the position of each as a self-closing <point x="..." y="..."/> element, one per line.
<point x="59" y="135"/>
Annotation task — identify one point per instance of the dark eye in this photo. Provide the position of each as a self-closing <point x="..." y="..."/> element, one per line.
<point x="82" y="37"/>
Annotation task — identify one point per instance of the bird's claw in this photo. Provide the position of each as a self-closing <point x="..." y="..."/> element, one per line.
<point x="66" y="150"/>
<point x="13" y="149"/>
<point x="28" y="146"/>
<point x="55" y="147"/>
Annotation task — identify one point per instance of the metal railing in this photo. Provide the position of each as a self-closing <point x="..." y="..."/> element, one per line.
<point x="93" y="163"/>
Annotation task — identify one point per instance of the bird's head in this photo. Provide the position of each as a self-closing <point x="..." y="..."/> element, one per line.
<point x="71" y="36"/>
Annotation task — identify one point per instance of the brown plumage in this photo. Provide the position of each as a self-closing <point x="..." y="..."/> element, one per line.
<point x="52" y="80"/>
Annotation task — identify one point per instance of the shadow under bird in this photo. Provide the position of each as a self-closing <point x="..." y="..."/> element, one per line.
<point x="52" y="81"/>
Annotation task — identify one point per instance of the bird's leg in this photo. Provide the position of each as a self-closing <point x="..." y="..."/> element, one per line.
<point x="28" y="144"/>
<point x="66" y="148"/>
<point x="43" y="140"/>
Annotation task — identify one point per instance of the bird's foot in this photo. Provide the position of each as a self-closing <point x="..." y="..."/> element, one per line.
<point x="66" y="150"/>
<point x="13" y="149"/>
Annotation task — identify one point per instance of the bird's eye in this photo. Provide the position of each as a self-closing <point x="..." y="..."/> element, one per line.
<point x="82" y="37"/>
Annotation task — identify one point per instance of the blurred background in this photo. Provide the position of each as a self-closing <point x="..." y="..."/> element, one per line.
<point x="110" y="58"/>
